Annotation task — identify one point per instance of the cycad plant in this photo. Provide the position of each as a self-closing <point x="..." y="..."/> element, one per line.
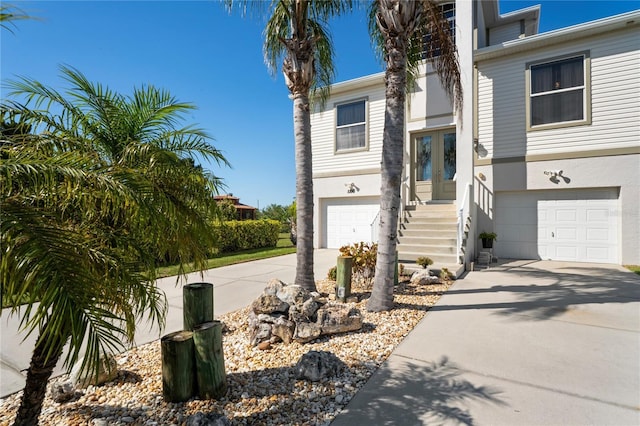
<point x="97" y="189"/>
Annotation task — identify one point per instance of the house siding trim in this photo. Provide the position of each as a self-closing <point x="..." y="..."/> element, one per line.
<point x="560" y="156"/>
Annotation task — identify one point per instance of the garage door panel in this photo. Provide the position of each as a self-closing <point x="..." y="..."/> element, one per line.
<point x="348" y="220"/>
<point x="571" y="225"/>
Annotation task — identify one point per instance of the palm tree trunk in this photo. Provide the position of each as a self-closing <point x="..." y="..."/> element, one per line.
<point x="391" y="170"/>
<point x="35" y="388"/>
<point x="304" y="192"/>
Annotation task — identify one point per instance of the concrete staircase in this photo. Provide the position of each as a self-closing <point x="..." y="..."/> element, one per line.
<point x="429" y="230"/>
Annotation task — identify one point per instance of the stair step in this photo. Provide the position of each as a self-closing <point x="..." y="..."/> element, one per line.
<point x="428" y="248"/>
<point x="434" y="233"/>
<point x="404" y="256"/>
<point x="438" y="220"/>
<point x="427" y="240"/>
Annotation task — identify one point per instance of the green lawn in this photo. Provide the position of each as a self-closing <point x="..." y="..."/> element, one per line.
<point x="633" y="268"/>
<point x="284" y="246"/>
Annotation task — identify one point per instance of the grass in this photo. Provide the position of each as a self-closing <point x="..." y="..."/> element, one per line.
<point x="633" y="268"/>
<point x="284" y="246"/>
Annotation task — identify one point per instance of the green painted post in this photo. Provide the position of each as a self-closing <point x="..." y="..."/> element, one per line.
<point x="197" y="304"/>
<point x="395" y="271"/>
<point x="343" y="277"/>
<point x="178" y="375"/>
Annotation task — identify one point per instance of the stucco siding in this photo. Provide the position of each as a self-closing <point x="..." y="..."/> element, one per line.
<point x="325" y="159"/>
<point x="615" y="110"/>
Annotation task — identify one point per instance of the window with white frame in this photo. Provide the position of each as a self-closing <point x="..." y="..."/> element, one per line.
<point x="351" y="126"/>
<point x="558" y="92"/>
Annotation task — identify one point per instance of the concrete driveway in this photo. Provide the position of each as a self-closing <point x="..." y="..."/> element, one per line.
<point x="521" y="343"/>
<point x="235" y="286"/>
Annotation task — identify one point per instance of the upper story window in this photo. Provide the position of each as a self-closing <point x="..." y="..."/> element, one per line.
<point x="559" y="92"/>
<point x="431" y="48"/>
<point x="351" y="126"/>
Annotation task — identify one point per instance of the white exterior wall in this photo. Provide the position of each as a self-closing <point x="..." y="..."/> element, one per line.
<point x="507" y="32"/>
<point x="615" y="110"/>
<point x="323" y="127"/>
<point x="590" y="155"/>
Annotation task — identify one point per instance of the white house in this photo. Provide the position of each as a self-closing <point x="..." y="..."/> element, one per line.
<point x="545" y="151"/>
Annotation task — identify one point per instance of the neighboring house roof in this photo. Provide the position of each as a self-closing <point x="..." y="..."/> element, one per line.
<point x="625" y="20"/>
<point x="235" y="200"/>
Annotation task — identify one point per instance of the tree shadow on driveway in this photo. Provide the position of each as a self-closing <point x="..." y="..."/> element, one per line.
<point x="544" y="294"/>
<point x="416" y="393"/>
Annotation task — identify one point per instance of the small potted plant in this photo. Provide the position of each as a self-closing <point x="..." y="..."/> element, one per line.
<point x="424" y="261"/>
<point x="487" y="239"/>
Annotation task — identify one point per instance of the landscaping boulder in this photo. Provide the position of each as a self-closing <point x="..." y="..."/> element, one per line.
<point x="424" y="277"/>
<point x="338" y="319"/>
<point x="318" y="365"/>
<point x="293" y="294"/>
<point x="273" y="286"/>
<point x="307" y="331"/>
<point x="107" y="371"/>
<point x="62" y="391"/>
<point x="209" y="419"/>
<point x="284" y="329"/>
<point x="269" y="304"/>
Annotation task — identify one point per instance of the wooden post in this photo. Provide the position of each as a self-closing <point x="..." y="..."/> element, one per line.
<point x="197" y="304"/>
<point x="210" y="373"/>
<point x="178" y="378"/>
<point x="343" y="277"/>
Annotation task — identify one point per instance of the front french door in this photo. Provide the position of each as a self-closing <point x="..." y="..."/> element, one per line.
<point x="434" y="166"/>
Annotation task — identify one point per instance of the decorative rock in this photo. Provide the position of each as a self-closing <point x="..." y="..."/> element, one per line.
<point x="260" y="333"/>
<point x="352" y="299"/>
<point x="306" y="332"/>
<point x="268" y="304"/>
<point x="293" y="294"/>
<point x="210" y="419"/>
<point x="424" y="277"/>
<point x="273" y="287"/>
<point x="309" y="308"/>
<point x="63" y="391"/>
<point x="318" y="365"/>
<point x="339" y="319"/>
<point x="107" y="371"/>
<point x="264" y="346"/>
<point x="284" y="329"/>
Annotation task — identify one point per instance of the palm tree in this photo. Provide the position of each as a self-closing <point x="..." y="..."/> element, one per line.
<point x="399" y="28"/>
<point x="296" y="33"/>
<point x="101" y="191"/>
<point x="10" y="13"/>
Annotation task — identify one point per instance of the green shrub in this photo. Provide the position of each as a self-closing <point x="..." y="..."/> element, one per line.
<point x="333" y="273"/>
<point x="424" y="261"/>
<point x="237" y="235"/>
<point x="364" y="260"/>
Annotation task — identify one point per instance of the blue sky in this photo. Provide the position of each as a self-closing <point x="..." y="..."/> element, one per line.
<point x="203" y="55"/>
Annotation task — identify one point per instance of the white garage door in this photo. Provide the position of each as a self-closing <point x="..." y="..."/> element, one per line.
<point x="569" y="225"/>
<point x="348" y="220"/>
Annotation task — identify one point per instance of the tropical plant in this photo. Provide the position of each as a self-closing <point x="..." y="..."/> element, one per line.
<point x="101" y="189"/>
<point x="424" y="261"/>
<point x="488" y="236"/>
<point x="364" y="260"/>
<point x="226" y="210"/>
<point x="296" y="33"/>
<point x="399" y="28"/>
<point x="10" y="13"/>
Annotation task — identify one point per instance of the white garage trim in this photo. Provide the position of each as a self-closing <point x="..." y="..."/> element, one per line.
<point x="347" y="220"/>
<point x="579" y="225"/>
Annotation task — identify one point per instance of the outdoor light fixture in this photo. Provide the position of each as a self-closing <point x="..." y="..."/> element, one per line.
<point x="351" y="187"/>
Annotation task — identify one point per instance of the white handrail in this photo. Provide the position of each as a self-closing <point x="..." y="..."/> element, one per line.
<point x="463" y="213"/>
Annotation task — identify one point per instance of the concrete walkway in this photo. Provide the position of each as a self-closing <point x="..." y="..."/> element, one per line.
<point x="521" y="343"/>
<point x="235" y="286"/>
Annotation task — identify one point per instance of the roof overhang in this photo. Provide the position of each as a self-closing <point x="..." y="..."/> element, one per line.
<point x="613" y="23"/>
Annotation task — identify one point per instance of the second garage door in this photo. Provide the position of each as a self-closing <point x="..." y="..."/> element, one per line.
<point x="348" y="220"/>
<point x="569" y="225"/>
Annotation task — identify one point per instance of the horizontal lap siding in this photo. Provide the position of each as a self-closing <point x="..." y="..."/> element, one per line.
<point x="615" y="110"/>
<point x="504" y="33"/>
<point x="325" y="160"/>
